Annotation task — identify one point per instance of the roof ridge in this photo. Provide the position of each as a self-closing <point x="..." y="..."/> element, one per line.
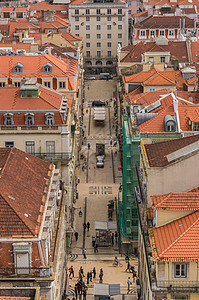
<point x="190" y="227"/>
<point x="164" y="199"/>
<point x="10" y="151"/>
<point x="16" y="214"/>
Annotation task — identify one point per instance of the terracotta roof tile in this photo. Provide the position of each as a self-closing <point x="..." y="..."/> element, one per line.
<point x="176" y="201"/>
<point x="176" y="240"/>
<point x="23" y="178"/>
<point x="157" y="152"/>
<point x="43" y="5"/>
<point x="14" y="298"/>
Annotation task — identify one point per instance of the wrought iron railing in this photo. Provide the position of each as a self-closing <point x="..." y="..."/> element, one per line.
<point x="54" y="156"/>
<point x="177" y="284"/>
<point x="26" y="272"/>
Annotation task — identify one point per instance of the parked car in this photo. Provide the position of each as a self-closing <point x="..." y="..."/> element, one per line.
<point x="89" y="78"/>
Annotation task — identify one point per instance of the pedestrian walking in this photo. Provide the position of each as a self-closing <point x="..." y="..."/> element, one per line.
<point x="84" y="294"/>
<point x="78" y="287"/>
<point x="101" y="278"/>
<point x="76" y="235"/>
<point x="91" y="276"/>
<point x="101" y="271"/>
<point x="88" y="277"/>
<point x="96" y="248"/>
<point x="128" y="283"/>
<point x="81" y="271"/>
<point x="88" y="226"/>
<point x="112" y="238"/>
<point x="93" y="241"/>
<point x="94" y="272"/>
<point x="84" y="253"/>
<point x="116" y="236"/>
<point x="128" y="266"/>
<point x="84" y="226"/>
<point x="71" y="272"/>
<point x="76" y="290"/>
<point x="134" y="276"/>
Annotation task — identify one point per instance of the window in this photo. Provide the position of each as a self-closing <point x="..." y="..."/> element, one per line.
<point x="98" y="19"/>
<point x="2" y="84"/>
<point x="152" y="89"/>
<point x="109" y="53"/>
<point x="76" y="11"/>
<point x="76" y="27"/>
<point x="142" y="33"/>
<point x="98" y="27"/>
<point x="109" y="36"/>
<point x="8" y="119"/>
<point x="49" y="119"/>
<point x="77" y="19"/>
<point x="180" y="270"/>
<point x="109" y="18"/>
<point x="152" y="33"/>
<point x="109" y="44"/>
<point x="98" y="36"/>
<point x="50" y="147"/>
<point x="30" y="147"/>
<point x="151" y="59"/>
<point x="47" y="68"/>
<point x="88" y="53"/>
<point x="119" y="36"/>
<point x="119" y="11"/>
<point x="161" y="33"/>
<point x="88" y="45"/>
<point x="62" y="84"/>
<point x="119" y="27"/>
<point x="87" y="18"/>
<point x="98" y="11"/>
<point x="119" y="18"/>
<point x="77" y="34"/>
<point x="162" y="59"/>
<point x="120" y="43"/>
<point x="98" y="45"/>
<point x="9" y="144"/>
<point x="29" y="119"/>
<point x="108" y="27"/>
<point x="87" y="27"/>
<point x="108" y="11"/>
<point x="18" y="68"/>
<point x="87" y="11"/>
<point x="17" y="83"/>
<point x="88" y="36"/>
<point x="22" y="257"/>
<point x="98" y="53"/>
<point x="171" y="32"/>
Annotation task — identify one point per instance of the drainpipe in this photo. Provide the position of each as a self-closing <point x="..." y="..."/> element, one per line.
<point x="176" y="113"/>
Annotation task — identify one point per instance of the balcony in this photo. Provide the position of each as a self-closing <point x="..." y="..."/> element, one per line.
<point x="30" y="128"/>
<point x="181" y="285"/>
<point x="28" y="273"/>
<point x="54" y="156"/>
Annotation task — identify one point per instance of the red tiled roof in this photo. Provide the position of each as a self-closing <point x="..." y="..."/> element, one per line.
<point x="157" y="152"/>
<point x="141" y="13"/>
<point x="157" y="78"/>
<point x="176" y="201"/>
<point x="172" y="3"/>
<point x="23" y="184"/>
<point x="16" y="46"/>
<point x="14" y="298"/>
<point x="43" y="5"/>
<point x="176" y="49"/>
<point x="32" y="66"/>
<point x="70" y="37"/>
<point x="176" y="240"/>
<point x="147" y="98"/>
<point x="164" y="22"/>
<point x="195" y="51"/>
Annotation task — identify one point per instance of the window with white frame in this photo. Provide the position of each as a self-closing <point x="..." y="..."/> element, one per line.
<point x="162" y="59"/>
<point x="62" y="85"/>
<point x="88" y="45"/>
<point x="98" y="27"/>
<point x="180" y="270"/>
<point x="8" y="119"/>
<point x="161" y="33"/>
<point x="88" y="36"/>
<point x="9" y="144"/>
<point x="87" y="27"/>
<point x="109" y="53"/>
<point x="98" y="36"/>
<point x="152" y="33"/>
<point x="2" y="83"/>
<point x="77" y="19"/>
<point x="120" y="27"/>
<point x="98" y="11"/>
<point x="142" y="32"/>
<point x="119" y="35"/>
<point x="151" y="59"/>
<point x="109" y="44"/>
<point x="119" y="18"/>
<point x="76" y="27"/>
<point x="98" y="53"/>
<point x="50" y="147"/>
<point x="76" y="11"/>
<point x="17" y="83"/>
<point x="98" y="19"/>
<point x="87" y="11"/>
<point x="50" y="120"/>
<point x="119" y="11"/>
<point x="98" y="45"/>
<point x="18" y="68"/>
<point x="171" y="32"/>
<point x="108" y="35"/>
<point x="88" y="53"/>
<point x="22" y="257"/>
<point x="108" y="11"/>
<point x="47" y="68"/>
<point x="47" y="84"/>
<point x="87" y="19"/>
<point x="109" y="18"/>
<point x="108" y="27"/>
<point x="30" y="147"/>
<point x="29" y="119"/>
<point x="152" y="89"/>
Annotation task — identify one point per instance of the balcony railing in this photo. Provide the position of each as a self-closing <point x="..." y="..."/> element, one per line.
<point x="177" y="284"/>
<point x="25" y="272"/>
<point x="29" y="127"/>
<point x="54" y="156"/>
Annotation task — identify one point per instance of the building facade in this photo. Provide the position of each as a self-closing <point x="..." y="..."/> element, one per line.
<point x="102" y="26"/>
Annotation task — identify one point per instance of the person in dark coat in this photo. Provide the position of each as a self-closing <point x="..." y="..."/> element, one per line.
<point x="76" y="235"/>
<point x="88" y="226"/>
<point x="94" y="272"/>
<point x="91" y="276"/>
<point x="88" y="277"/>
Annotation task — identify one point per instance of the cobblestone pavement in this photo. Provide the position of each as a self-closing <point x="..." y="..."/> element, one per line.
<point x="98" y="186"/>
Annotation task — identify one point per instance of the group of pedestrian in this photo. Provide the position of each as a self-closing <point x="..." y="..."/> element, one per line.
<point x="114" y="237"/>
<point x="88" y="225"/>
<point x="91" y="275"/>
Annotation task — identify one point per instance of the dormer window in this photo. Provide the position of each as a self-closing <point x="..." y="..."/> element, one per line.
<point x="47" y="68"/>
<point x="8" y="119"/>
<point x="49" y="119"/>
<point x="169" y="123"/>
<point x="29" y="119"/>
<point x="18" y="68"/>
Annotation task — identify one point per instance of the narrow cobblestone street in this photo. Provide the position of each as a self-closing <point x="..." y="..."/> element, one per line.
<point x="96" y="187"/>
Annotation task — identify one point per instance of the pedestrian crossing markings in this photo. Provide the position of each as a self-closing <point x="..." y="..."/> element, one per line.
<point x="100" y="190"/>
